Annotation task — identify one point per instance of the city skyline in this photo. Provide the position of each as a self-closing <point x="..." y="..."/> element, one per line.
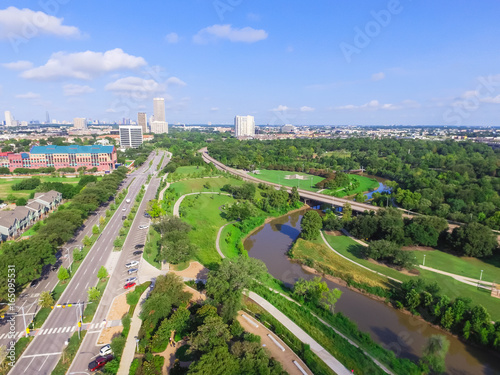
<point x="377" y="62"/>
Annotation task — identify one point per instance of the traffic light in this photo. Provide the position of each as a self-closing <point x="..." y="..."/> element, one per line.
<point x="79" y="324"/>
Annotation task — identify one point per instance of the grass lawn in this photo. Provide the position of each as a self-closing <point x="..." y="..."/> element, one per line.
<point x="183" y="172"/>
<point x="278" y="177"/>
<point x="320" y="253"/>
<point x="195" y="185"/>
<point x="352" y="250"/>
<point x="338" y="153"/>
<point x="203" y="214"/>
<point x="449" y="286"/>
<point x="228" y="241"/>
<point x="365" y="184"/>
<point x="6" y="184"/>
<point x="463" y="266"/>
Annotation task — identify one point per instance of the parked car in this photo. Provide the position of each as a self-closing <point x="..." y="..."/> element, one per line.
<point x="128" y="285"/>
<point x="105" y="350"/>
<point x="132" y="264"/>
<point x="138" y="246"/>
<point x="99" y="362"/>
<point x="147" y="215"/>
<point x="34" y="283"/>
<point x="138" y="252"/>
<point x="132" y="270"/>
<point x="128" y="200"/>
<point x="144" y="226"/>
<point x="131" y="279"/>
<point x="124" y="217"/>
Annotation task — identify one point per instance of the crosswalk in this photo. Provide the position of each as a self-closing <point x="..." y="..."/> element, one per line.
<point x="56" y="330"/>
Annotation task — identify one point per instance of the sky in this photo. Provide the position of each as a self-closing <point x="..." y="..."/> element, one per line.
<point x="325" y="62"/>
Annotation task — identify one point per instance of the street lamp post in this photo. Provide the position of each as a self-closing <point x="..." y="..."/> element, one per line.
<point x="423" y="264"/>
<point x="136" y="343"/>
<point x="481" y="276"/>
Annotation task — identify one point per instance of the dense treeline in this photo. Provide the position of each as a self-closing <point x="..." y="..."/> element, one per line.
<point x="30" y="256"/>
<point x="453" y="180"/>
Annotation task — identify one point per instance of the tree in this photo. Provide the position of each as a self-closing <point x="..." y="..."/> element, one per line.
<point x="473" y="239"/>
<point x="95" y="229"/>
<point x="447" y="318"/>
<point x="332" y="222"/>
<point x="94" y="294"/>
<point x="317" y="292"/>
<point x="77" y="255"/>
<point x="102" y="273"/>
<point x="360" y="197"/>
<point x="311" y="224"/>
<point x="435" y="351"/>
<point x="46" y="300"/>
<point x="218" y="361"/>
<point x="176" y="252"/>
<point x="21" y="202"/>
<point x="295" y="197"/>
<point x="347" y="212"/>
<point x="63" y="274"/>
<point x="87" y="241"/>
<point x="225" y="285"/>
<point x="101" y="220"/>
<point x="413" y="299"/>
<point x="155" y="209"/>
<point x="213" y="333"/>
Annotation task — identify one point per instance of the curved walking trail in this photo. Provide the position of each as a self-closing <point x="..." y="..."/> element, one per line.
<point x="179" y="201"/>
<point x="218" y="239"/>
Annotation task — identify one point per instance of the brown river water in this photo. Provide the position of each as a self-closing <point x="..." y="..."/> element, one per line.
<point x="402" y="333"/>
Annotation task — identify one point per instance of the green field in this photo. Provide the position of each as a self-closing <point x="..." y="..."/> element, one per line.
<point x="183" y="172"/>
<point x="278" y="177"/>
<point x="228" y="241"/>
<point x="195" y="185"/>
<point x="365" y="184"/>
<point x="6" y="183"/>
<point x="203" y="214"/>
<point x="449" y="286"/>
<point x="338" y="153"/>
<point x="463" y="266"/>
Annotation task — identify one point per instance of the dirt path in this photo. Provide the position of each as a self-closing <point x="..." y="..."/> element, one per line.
<point x="195" y="271"/>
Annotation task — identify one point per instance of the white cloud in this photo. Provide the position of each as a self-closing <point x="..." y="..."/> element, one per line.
<point x="83" y="65"/>
<point x="135" y="86"/>
<point x="214" y="109"/>
<point x="28" y="95"/>
<point x="174" y="81"/>
<point x="227" y="32"/>
<point x="26" y="23"/>
<point x="111" y="110"/>
<point x="491" y="99"/>
<point x="75" y="90"/>
<point x="376" y="105"/>
<point x="378" y="76"/>
<point x="18" y="65"/>
<point x="281" y="108"/>
<point x="306" y="109"/>
<point x="172" y="38"/>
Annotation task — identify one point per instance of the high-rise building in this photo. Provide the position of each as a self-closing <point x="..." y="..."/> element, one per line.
<point x="142" y="121"/>
<point x="159" y="127"/>
<point x="244" y="126"/>
<point x="130" y="136"/>
<point x="80" y="123"/>
<point x="159" y="109"/>
<point x="8" y="119"/>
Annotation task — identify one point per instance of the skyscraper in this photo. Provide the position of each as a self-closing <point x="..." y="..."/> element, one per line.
<point x="142" y="121"/>
<point x="159" y="109"/>
<point x="244" y="126"/>
<point x="80" y="123"/>
<point x="130" y="136"/>
<point x="159" y="127"/>
<point x="8" y="119"/>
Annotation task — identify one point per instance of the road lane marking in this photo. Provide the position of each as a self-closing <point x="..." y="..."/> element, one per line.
<point x="30" y="363"/>
<point x="50" y="331"/>
<point x="59" y="330"/>
<point x="66" y="329"/>
<point x="76" y="287"/>
<point x="86" y="286"/>
<point x="43" y="363"/>
<point x="1" y="337"/>
<point x="40" y="355"/>
<point x="72" y="328"/>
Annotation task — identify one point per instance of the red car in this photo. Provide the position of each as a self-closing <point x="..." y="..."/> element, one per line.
<point x="128" y="285"/>
<point x="99" y="362"/>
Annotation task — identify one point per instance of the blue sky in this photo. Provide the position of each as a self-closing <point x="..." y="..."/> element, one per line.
<point x="324" y="62"/>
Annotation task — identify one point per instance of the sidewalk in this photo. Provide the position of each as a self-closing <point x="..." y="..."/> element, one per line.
<point x="324" y="355"/>
<point x="129" y="351"/>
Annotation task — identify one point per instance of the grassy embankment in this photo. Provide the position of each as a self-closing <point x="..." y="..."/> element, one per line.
<point x="450" y="287"/>
<point x="365" y="184"/>
<point x="278" y="177"/>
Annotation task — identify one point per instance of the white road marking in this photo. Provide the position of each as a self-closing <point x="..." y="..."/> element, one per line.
<point x="66" y="329"/>
<point x="72" y="328"/>
<point x="50" y="331"/>
<point x="1" y="337"/>
<point x="30" y="362"/>
<point x="86" y="286"/>
<point x="76" y="287"/>
<point x="59" y="330"/>
<point x="43" y="363"/>
<point x="40" y="355"/>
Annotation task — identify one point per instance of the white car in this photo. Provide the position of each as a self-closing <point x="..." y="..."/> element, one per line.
<point x="130" y="280"/>
<point x="144" y="226"/>
<point x="124" y="209"/>
<point x="132" y="264"/>
<point x="106" y="349"/>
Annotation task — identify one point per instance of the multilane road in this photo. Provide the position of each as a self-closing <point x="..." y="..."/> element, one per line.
<point x="45" y="350"/>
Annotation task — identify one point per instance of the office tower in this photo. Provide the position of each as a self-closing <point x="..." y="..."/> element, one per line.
<point x="159" y="127"/>
<point x="80" y="123"/>
<point x="244" y="126"/>
<point x="159" y="109"/>
<point x="142" y="121"/>
<point x="130" y="136"/>
<point x="47" y="117"/>
<point x="8" y="119"/>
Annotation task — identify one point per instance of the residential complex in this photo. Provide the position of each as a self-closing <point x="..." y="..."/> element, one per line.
<point x="244" y="126"/>
<point x="80" y="123"/>
<point x="102" y="157"/>
<point x="130" y="136"/>
<point x="15" y="222"/>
